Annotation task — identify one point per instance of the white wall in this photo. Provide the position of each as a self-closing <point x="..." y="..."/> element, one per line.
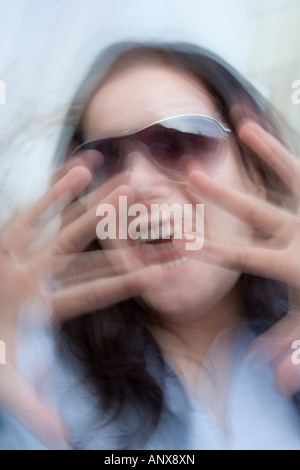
<point x="275" y="58"/>
<point x="46" y="45"/>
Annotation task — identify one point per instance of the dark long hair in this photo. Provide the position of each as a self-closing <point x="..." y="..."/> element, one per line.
<point x="115" y="343"/>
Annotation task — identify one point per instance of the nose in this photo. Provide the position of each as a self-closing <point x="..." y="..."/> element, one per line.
<point x="144" y="177"/>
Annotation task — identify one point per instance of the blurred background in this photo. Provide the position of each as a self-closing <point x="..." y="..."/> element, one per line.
<point x="46" y="46"/>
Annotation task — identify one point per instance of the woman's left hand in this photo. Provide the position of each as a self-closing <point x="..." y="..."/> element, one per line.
<point x="276" y="256"/>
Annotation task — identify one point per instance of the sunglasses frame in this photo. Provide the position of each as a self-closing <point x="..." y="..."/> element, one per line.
<point x="129" y="132"/>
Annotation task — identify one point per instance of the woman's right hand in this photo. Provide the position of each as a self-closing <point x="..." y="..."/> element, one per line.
<point x="59" y="275"/>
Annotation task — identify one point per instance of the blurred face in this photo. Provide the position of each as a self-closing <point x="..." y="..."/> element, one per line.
<point x="130" y="101"/>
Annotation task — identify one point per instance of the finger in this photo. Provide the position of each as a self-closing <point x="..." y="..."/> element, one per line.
<point x="19" y="401"/>
<point x="76" y="236"/>
<point x="275" y="341"/>
<point x="252" y="210"/>
<point x="78" y="208"/>
<point x="95" y="295"/>
<point x="21" y="233"/>
<point x="241" y="113"/>
<point x="88" y="159"/>
<point x="96" y="195"/>
<point x="68" y="188"/>
<point x="273" y="153"/>
<point x="91" y="264"/>
<point x="278" y="351"/>
<point x="72" y="278"/>
<point x="257" y="260"/>
<point x="70" y="267"/>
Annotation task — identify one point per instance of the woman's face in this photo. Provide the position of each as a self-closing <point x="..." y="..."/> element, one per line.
<point x="135" y="98"/>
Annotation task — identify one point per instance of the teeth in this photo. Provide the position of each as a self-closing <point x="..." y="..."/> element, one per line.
<point x="166" y="230"/>
<point x="176" y="263"/>
<point x="163" y="231"/>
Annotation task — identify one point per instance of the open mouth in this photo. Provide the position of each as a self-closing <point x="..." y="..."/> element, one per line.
<point x="157" y="243"/>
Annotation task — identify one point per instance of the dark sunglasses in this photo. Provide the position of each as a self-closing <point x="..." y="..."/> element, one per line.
<point x="170" y="144"/>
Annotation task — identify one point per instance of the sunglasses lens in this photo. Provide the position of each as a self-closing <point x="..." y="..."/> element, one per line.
<point x="173" y="144"/>
<point x="106" y="161"/>
<point x="176" y="142"/>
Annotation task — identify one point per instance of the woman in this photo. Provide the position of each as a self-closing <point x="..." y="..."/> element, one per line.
<point x="161" y="360"/>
